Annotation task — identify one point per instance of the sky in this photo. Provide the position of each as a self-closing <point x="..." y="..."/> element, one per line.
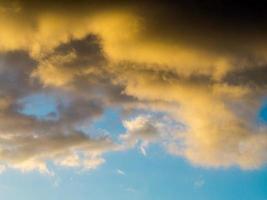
<point x="133" y="100"/>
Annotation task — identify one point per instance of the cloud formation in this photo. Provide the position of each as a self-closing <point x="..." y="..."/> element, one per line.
<point x="196" y="68"/>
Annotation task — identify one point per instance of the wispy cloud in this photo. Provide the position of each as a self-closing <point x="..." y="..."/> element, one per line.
<point x="143" y="150"/>
<point x="120" y="172"/>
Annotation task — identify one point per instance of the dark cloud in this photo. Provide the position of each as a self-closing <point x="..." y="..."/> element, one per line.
<point x="251" y="77"/>
<point x="88" y="49"/>
<point x="15" y="68"/>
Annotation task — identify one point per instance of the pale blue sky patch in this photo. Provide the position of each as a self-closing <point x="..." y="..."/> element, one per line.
<point x="109" y="123"/>
<point x="40" y="105"/>
<point x="262" y="113"/>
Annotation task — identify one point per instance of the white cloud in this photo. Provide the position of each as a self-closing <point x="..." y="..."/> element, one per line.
<point x="120" y="172"/>
<point x="2" y="168"/>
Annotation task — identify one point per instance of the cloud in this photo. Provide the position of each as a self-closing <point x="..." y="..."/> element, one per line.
<point x="197" y="69"/>
<point x="70" y="61"/>
<point x="120" y="172"/>
<point x="145" y="130"/>
<point x="2" y="169"/>
<point x="141" y="127"/>
<point x="26" y="142"/>
<point x="219" y="118"/>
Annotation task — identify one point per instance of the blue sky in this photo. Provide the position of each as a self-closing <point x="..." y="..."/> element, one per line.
<point x="170" y="177"/>
<point x="262" y="114"/>
<point x="130" y="175"/>
<point x="133" y="100"/>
